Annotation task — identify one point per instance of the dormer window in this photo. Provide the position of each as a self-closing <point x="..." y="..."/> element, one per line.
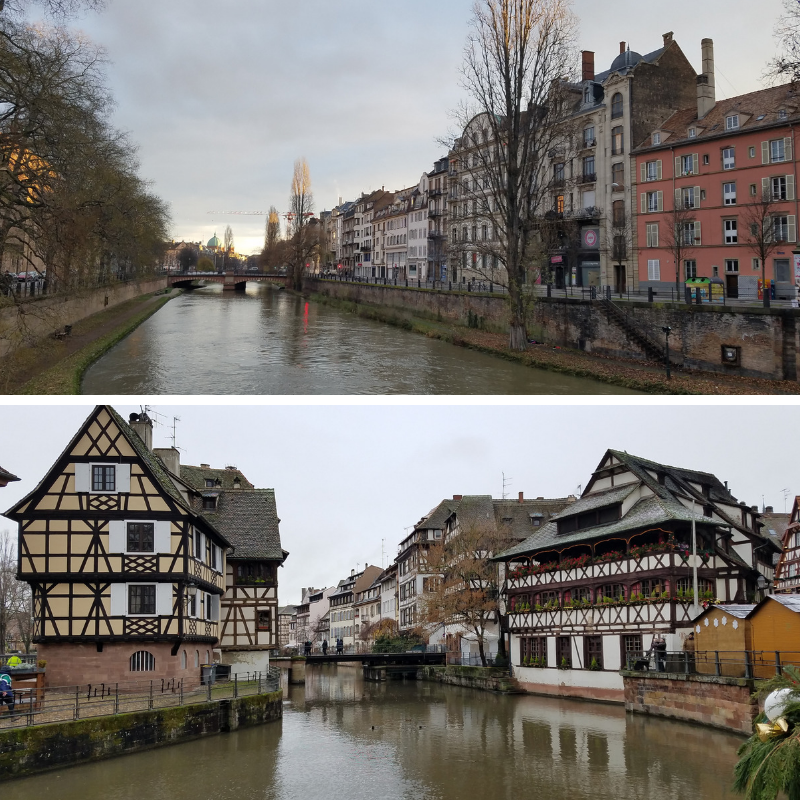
<point x="692" y="133"/>
<point x="656" y="138"/>
<point x="209" y="483"/>
<point x="782" y="114"/>
<point x="588" y="95"/>
<point x="209" y="503"/>
<point x="732" y="122"/>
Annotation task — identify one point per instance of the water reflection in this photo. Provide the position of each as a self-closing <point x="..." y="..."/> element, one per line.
<point x="267" y="342"/>
<point x="342" y="737"/>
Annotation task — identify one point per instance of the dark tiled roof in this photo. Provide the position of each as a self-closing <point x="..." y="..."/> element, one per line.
<point x="286" y="611"/>
<point x="627" y="62"/>
<point x="7" y="476"/>
<point x="764" y="102"/>
<point x="196" y="477"/>
<point x="249" y="520"/>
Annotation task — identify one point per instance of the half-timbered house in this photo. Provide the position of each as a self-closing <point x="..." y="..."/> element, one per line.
<point x="126" y="575"/>
<point x="248" y="519"/>
<point x="601" y="579"/>
<point x="787" y="574"/>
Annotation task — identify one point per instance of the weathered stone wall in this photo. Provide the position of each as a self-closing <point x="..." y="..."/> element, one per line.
<point x="720" y="702"/>
<point x="768" y="338"/>
<point x="25" y="751"/>
<point x="489" y="679"/>
<point x="37" y="319"/>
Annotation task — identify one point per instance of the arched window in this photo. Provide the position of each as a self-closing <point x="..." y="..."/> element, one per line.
<point x="197" y="658"/>
<point x="616" y="106"/>
<point x="183" y="659"/>
<point x="142" y="661"/>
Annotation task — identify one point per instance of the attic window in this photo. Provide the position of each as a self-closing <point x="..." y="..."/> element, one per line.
<point x="508" y="520"/>
<point x="763" y="116"/>
<point x="209" y="483"/>
<point x="782" y="114"/>
<point x="590" y="519"/>
<point x="209" y="503"/>
<point x="732" y="122"/>
<point x="656" y="138"/>
<point x="692" y="133"/>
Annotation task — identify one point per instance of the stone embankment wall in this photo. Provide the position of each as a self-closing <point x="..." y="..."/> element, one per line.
<point x="489" y="679"/>
<point x="725" y="703"/>
<point x="36" y="319"/>
<point x="767" y="338"/>
<point x="26" y="751"/>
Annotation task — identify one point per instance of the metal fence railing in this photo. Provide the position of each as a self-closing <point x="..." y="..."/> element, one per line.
<point x="752" y="664"/>
<point x="28" y="659"/>
<point x="38" y="706"/>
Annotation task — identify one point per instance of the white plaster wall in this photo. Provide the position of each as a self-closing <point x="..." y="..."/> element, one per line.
<point x="243" y="661"/>
<point x="612" y="655"/>
<point x="583" y="678"/>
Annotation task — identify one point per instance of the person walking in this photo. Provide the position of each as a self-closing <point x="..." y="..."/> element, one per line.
<point x="324" y="647"/>
<point x="6" y="692"/>
<point x="308" y="647"/>
<point x="660" y="650"/>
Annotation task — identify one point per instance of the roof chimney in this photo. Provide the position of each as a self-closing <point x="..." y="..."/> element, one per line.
<point x="588" y="65"/>
<point x="706" y="87"/>
<point x="622" y="47"/>
<point x="521" y="496"/>
<point x="205" y="466"/>
<point x="170" y="458"/>
<point x="769" y="510"/>
<point x="143" y="426"/>
<point x="458" y="496"/>
<point x="668" y="38"/>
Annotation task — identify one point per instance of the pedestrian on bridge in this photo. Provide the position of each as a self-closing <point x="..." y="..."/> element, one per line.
<point x="324" y="647"/>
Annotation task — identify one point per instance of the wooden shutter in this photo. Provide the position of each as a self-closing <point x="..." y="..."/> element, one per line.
<point x="201" y="547"/>
<point x="83" y="477"/>
<point x="116" y="536"/>
<point x="655" y="235"/>
<point x="659" y="171"/>
<point x="765" y="152"/>
<point x="660" y="201"/>
<point x="765" y="189"/>
<point x="163" y="537"/>
<point x="644" y="203"/>
<point x="678" y="198"/>
<point x="643" y="172"/>
<point x="123" y="478"/>
<point x="698" y="239"/>
<point x="119" y="599"/>
<point x="677" y="166"/>
<point x="787" y="147"/>
<point x="695" y="163"/>
<point x="696" y="197"/>
<point x="215" y="608"/>
<point x="790" y="187"/>
<point x="792" y="225"/>
<point x="164" y="599"/>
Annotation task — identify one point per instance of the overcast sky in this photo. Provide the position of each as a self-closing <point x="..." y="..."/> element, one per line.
<point x="347" y="477"/>
<point x="223" y="97"/>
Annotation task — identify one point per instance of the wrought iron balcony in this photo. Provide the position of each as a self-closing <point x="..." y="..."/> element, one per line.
<point x="588" y="177"/>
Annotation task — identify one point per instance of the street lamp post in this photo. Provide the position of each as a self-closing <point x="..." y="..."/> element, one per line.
<point x="667" y="330"/>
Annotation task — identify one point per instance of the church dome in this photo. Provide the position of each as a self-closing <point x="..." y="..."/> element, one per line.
<point x="625" y="60"/>
<point x="214" y="242"/>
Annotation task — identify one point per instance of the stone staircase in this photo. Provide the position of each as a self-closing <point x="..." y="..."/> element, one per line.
<point x="625" y="322"/>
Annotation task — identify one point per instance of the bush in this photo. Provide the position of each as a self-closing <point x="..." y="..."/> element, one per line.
<point x="205" y="264"/>
<point x="500" y="660"/>
<point x="386" y="643"/>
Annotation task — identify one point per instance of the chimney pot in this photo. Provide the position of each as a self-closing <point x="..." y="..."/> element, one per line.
<point x="706" y="87"/>
<point x="588" y="65"/>
<point x="621" y="47"/>
<point x="668" y="37"/>
<point x="458" y="497"/>
<point x="143" y="426"/>
<point x="205" y="466"/>
<point x="769" y="510"/>
<point x="521" y="496"/>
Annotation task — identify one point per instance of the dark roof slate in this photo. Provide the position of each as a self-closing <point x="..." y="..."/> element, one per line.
<point x="196" y="477"/>
<point x="7" y="476"/>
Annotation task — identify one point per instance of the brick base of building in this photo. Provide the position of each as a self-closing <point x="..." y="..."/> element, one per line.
<point x="75" y="664"/>
<point x="576" y="692"/>
<point x="721" y="702"/>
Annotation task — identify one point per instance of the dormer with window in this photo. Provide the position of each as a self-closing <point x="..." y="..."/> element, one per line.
<point x="590" y="519"/>
<point x="732" y="122"/>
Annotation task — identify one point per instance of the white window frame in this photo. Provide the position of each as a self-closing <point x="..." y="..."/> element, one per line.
<point x="656" y="138"/>
<point x="653" y="269"/>
<point x="730" y="228"/>
<point x="686" y="263"/>
<point x="729" y="198"/>
<point x="728" y="158"/>
<point x="122" y="477"/>
<point x="118" y="536"/>
<point x="777" y="179"/>
<point x="120" y="594"/>
<point x="732" y="122"/>
<point x="777" y="144"/>
<point x="731" y="261"/>
<point x="652" y="202"/>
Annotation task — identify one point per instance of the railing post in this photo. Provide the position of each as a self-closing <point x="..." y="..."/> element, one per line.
<point x="180" y="693"/>
<point x="685" y="663"/>
<point x="716" y="663"/>
<point x="748" y="665"/>
<point x="150" y="706"/>
<point x="116" y="698"/>
<point x="778" y="670"/>
<point x="77" y="700"/>
<point x="235" y="686"/>
<point x="208" y="689"/>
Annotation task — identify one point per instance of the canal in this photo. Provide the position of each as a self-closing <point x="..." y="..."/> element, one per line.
<point x="408" y="740"/>
<point x="266" y="342"/>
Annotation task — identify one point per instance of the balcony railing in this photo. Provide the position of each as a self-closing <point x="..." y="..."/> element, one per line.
<point x="588" y="177"/>
<point x="750" y="664"/>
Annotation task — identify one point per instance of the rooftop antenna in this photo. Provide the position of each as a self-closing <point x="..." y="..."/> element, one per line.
<point x="175" y="421"/>
<point x="382" y="541"/>
<point x="785" y="498"/>
<point x="152" y="413"/>
<point x="506" y="482"/>
<point x="580" y="490"/>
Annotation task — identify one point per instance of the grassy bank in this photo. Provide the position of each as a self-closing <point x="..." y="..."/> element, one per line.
<point x="101" y="334"/>
<point x="643" y="377"/>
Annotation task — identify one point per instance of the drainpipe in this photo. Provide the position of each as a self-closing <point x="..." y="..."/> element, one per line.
<point x="674" y="233"/>
<point x="796" y="204"/>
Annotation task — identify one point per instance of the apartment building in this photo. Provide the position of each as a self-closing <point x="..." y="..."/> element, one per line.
<point x="342" y="603"/>
<point x="417" y="263"/>
<point x="438" y="190"/>
<point x="718" y="193"/>
<point x="787" y="574"/>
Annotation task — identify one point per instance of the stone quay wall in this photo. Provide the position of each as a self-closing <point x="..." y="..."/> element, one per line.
<point x="27" y="751"/>
<point x="488" y="679"/>
<point x="721" y="702"/>
<point x="37" y="319"/>
<point x="766" y="338"/>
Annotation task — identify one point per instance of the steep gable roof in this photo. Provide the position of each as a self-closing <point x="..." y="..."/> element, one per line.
<point x="7" y="476"/>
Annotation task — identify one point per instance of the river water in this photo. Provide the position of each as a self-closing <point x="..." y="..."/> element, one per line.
<point x="343" y="738"/>
<point x="266" y="342"/>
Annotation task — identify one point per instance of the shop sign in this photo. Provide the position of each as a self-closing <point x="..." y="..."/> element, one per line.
<point x="591" y="238"/>
<point x="557" y="259"/>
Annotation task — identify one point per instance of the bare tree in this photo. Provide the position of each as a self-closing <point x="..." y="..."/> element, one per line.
<point x="466" y="594"/>
<point x="514" y="124"/>
<point x="304" y="238"/>
<point x="679" y="237"/>
<point x="58" y="9"/>
<point x="786" y="65"/>
<point x="763" y="234"/>
<point x="14" y="594"/>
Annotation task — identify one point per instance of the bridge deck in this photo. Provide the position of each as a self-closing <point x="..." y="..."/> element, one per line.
<point x="379" y="659"/>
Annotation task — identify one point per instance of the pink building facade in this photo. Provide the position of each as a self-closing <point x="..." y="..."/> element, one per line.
<point x="703" y="178"/>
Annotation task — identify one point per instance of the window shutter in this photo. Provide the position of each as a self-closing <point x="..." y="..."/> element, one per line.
<point x="695" y="163"/>
<point x="644" y="203"/>
<point x="164" y="599"/>
<point x="677" y="166"/>
<point x="119" y="599"/>
<point x="765" y="152"/>
<point x="765" y="190"/>
<point x="643" y="172"/>
<point x="792" y="225"/>
<point x="655" y="235"/>
<point x="698" y="239"/>
<point x="82" y="472"/>
<point x="123" y="478"/>
<point x="116" y="536"/>
<point x="163" y="537"/>
<point x="787" y="146"/>
<point x="697" y="197"/>
<point x="215" y="608"/>
<point x="790" y="187"/>
<point x="659" y="168"/>
<point x="201" y="547"/>
<point x="678" y="198"/>
<point x="661" y="201"/>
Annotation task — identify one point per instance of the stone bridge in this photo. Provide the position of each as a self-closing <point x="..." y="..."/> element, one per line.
<point x="230" y="280"/>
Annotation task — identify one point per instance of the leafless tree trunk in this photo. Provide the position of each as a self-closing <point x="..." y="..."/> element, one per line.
<point x="786" y="65"/>
<point x="758" y="221"/>
<point x="14" y="594"/>
<point x="513" y="124"/>
<point x="304" y="239"/>
<point x="679" y="237"/>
